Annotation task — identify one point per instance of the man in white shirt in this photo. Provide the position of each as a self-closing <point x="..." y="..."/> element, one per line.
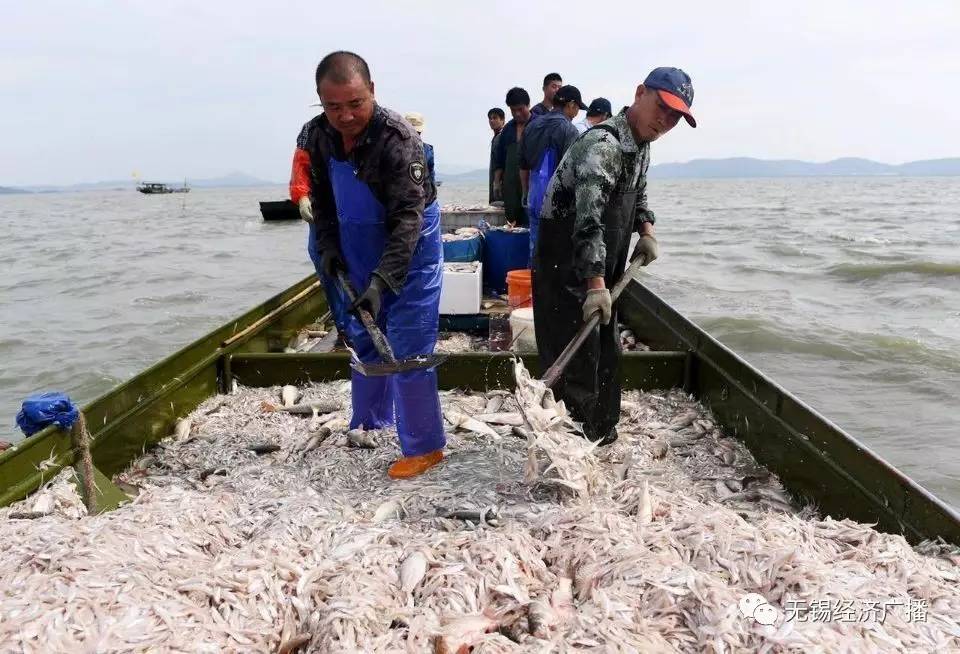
<point x="598" y="111"/>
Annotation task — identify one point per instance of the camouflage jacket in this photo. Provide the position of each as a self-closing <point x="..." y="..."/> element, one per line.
<point x="389" y="158"/>
<point x="595" y="168"/>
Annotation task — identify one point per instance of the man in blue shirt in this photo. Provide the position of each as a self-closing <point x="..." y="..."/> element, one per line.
<point x="506" y="178"/>
<point x="544" y="143"/>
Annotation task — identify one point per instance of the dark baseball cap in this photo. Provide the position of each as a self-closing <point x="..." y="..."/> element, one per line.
<point x="600" y="106"/>
<point x="569" y="94"/>
<point x="675" y="89"/>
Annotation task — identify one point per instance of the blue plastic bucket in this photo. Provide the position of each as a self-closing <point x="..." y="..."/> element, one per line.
<point x="463" y="251"/>
<point x="503" y="251"/>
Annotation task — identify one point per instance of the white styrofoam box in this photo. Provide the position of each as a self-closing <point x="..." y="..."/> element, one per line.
<point x="462" y="288"/>
<point x="522" y="330"/>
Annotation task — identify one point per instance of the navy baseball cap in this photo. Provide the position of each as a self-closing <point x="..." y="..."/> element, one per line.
<point x="570" y="94"/>
<point x="600" y="106"/>
<point x="675" y="89"/>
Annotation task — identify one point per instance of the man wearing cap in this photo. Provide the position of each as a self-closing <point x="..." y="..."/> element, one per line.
<point x="377" y="222"/>
<point x="598" y="111"/>
<point x="543" y="146"/>
<point x="594" y="201"/>
<point x="418" y="123"/>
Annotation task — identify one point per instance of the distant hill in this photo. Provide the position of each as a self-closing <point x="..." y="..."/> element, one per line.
<point x="850" y="166"/>
<point x="480" y="175"/>
<point x="6" y="190"/>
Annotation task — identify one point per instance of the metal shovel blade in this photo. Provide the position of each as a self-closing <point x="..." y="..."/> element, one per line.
<point x="382" y="369"/>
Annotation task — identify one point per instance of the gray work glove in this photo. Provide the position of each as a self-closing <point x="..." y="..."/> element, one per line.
<point x="525" y="200"/>
<point x="647" y="248"/>
<point x="598" y="299"/>
<point x="306" y="209"/>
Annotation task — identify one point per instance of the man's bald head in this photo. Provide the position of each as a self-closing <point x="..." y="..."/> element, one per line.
<point x="341" y="66"/>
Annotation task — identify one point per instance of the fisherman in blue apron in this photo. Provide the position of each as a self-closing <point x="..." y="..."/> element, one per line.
<point x="376" y="218"/>
<point x="544" y="143"/>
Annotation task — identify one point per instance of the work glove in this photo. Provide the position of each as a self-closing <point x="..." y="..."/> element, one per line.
<point x="647" y="248"/>
<point x="306" y="209"/>
<point x="372" y="298"/>
<point x="331" y="261"/>
<point x="598" y="299"/>
<point x="525" y="200"/>
<point x="497" y="191"/>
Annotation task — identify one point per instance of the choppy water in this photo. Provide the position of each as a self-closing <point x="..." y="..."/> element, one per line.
<point x="845" y="291"/>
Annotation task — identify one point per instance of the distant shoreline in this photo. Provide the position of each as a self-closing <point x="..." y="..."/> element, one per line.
<point x="730" y="168"/>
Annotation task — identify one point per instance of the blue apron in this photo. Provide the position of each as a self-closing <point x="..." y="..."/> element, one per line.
<point x="409" y="320"/>
<point x="539" y="179"/>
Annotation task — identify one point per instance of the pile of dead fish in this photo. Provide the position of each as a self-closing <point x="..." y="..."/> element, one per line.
<point x="461" y="266"/>
<point x="460" y="208"/>
<point x="462" y="234"/>
<point x="266" y="524"/>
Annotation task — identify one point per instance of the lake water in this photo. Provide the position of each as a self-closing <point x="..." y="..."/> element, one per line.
<point x="845" y="291"/>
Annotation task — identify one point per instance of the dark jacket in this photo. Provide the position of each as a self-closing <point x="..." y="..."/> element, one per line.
<point x="389" y="159"/>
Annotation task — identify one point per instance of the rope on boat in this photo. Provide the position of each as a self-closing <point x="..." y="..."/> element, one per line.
<point x="81" y="440"/>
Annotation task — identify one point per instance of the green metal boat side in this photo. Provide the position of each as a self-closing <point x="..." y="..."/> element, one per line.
<point x="816" y="460"/>
<point x="479" y="371"/>
<point x="140" y="412"/>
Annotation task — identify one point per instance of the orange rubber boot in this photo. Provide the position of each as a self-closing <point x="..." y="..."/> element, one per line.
<point x="411" y="466"/>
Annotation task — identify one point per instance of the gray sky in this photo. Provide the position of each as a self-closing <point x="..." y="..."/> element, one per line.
<point x="95" y="90"/>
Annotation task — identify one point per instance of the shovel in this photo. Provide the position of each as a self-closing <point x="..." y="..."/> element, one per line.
<point x="553" y="372"/>
<point x="389" y="364"/>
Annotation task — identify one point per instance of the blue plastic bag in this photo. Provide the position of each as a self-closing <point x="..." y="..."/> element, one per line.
<point x="45" y="409"/>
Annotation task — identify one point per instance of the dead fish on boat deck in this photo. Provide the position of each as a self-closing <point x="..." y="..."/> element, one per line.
<point x="494" y="404"/>
<point x="464" y="421"/>
<point x="182" y="429"/>
<point x="412" y="571"/>
<point x="388" y="510"/>
<point x="289" y="395"/>
<point x="512" y="418"/>
<point x="263" y="448"/>
<point x="362" y="439"/>
<point x="486" y="516"/>
<point x="306" y="408"/>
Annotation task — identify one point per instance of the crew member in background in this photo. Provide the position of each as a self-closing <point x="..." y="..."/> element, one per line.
<point x="598" y="111"/>
<point x="544" y="143"/>
<point x="416" y="120"/>
<point x="495" y="118"/>
<point x="551" y="83"/>
<point x="595" y="200"/>
<point x="376" y="220"/>
<point x="506" y="178"/>
<point x="300" y="192"/>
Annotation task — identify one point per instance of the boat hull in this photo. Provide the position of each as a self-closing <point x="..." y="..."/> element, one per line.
<point x="816" y="460"/>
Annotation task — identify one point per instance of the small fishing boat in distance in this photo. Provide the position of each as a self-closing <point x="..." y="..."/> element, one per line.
<point x="151" y="188"/>
<point x="279" y="210"/>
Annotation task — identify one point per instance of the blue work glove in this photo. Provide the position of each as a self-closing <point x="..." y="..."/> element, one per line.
<point x="331" y="261"/>
<point x="372" y="298"/>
